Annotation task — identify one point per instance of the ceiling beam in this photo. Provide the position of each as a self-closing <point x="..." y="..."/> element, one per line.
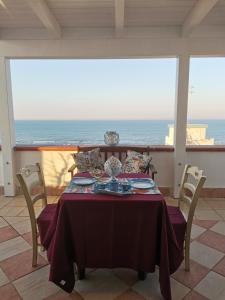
<point x="119" y="17"/>
<point x="42" y="11"/>
<point x="197" y="14"/>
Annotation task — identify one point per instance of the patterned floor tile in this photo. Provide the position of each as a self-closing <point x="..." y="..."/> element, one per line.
<point x="3" y="278"/>
<point x="178" y="290"/>
<point x="196" y="231"/>
<point x="193" y="277"/>
<point x="8" y="292"/>
<point x="221" y="213"/>
<point x="3" y="223"/>
<point x="149" y="288"/>
<point x="35" y="285"/>
<point x="203" y="204"/>
<point x="220" y="267"/>
<point x="205" y="223"/>
<point x="207" y="215"/>
<point x="12" y="247"/>
<point x="19" y="201"/>
<point x="205" y="255"/>
<point x="216" y="203"/>
<point x="219" y="227"/>
<point x="27" y="237"/>
<point x="130" y="295"/>
<point x="10" y="211"/>
<point x="4" y="201"/>
<point x="194" y="296"/>
<point x="61" y="295"/>
<point x="126" y="275"/>
<point x="212" y="286"/>
<point x="20" y="265"/>
<point x="213" y="239"/>
<point x="7" y="233"/>
<point x="21" y="224"/>
<point x="101" y="284"/>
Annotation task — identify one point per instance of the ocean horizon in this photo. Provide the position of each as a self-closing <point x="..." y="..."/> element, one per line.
<point x="72" y="132"/>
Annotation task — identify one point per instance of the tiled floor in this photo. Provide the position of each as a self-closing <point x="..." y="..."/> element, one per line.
<point x="18" y="280"/>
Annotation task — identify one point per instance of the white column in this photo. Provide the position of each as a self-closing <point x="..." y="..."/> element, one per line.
<point x="180" y="120"/>
<point x="7" y="127"/>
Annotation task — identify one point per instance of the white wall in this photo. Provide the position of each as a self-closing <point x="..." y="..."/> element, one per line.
<point x="1" y="169"/>
<point x="213" y="164"/>
<point x="56" y="163"/>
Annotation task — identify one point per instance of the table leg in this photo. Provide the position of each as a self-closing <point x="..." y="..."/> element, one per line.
<point x="81" y="273"/>
<point x="142" y="275"/>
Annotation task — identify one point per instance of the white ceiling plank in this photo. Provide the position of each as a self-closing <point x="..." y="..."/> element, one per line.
<point x="42" y="11"/>
<point x="197" y="14"/>
<point x="119" y="17"/>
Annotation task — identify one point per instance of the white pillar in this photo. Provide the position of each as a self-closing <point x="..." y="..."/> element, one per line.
<point x="7" y="127"/>
<point x="180" y="120"/>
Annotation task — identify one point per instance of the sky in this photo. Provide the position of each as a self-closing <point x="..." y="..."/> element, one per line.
<point x="114" y="89"/>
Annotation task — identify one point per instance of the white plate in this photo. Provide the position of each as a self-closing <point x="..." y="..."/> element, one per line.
<point x="142" y="185"/>
<point x="84" y="181"/>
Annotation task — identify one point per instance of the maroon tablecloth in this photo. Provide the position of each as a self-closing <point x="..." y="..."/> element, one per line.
<point x="105" y="231"/>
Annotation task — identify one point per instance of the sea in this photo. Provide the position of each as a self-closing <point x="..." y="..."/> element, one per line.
<point x="70" y="132"/>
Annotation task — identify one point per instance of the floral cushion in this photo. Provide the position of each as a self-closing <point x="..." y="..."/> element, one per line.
<point x="88" y="160"/>
<point x="136" y="162"/>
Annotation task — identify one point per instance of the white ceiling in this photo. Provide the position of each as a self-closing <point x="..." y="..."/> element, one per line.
<point x="56" y="16"/>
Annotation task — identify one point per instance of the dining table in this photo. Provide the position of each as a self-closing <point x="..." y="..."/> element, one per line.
<point x="95" y="230"/>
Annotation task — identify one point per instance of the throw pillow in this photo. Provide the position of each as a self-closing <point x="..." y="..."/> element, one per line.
<point x="136" y="162"/>
<point x="88" y="160"/>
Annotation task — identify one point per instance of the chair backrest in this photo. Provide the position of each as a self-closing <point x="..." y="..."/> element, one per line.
<point x="32" y="183"/>
<point x="191" y="185"/>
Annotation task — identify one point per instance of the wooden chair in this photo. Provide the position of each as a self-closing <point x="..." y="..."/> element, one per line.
<point x="32" y="183"/>
<point x="191" y="185"/>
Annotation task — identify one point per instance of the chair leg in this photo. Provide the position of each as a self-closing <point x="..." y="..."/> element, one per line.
<point x="187" y="255"/>
<point x="81" y="273"/>
<point x="142" y="275"/>
<point x="35" y="249"/>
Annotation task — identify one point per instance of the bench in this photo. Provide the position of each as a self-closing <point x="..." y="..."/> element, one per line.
<point x="118" y="151"/>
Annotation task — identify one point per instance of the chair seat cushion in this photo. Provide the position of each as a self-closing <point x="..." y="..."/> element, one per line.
<point x="178" y="222"/>
<point x="45" y="218"/>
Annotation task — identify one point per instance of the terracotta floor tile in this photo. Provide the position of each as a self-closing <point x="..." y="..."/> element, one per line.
<point x="208" y="214"/>
<point x="219" y="227"/>
<point x="10" y="211"/>
<point x="205" y="223"/>
<point x="28" y="237"/>
<point x="221" y="213"/>
<point x="192" y="278"/>
<point x="13" y="247"/>
<point x="61" y="295"/>
<point x="196" y="230"/>
<point x="130" y="295"/>
<point x="220" y="267"/>
<point x="212" y="286"/>
<point x="3" y="278"/>
<point x="8" y="292"/>
<point x="194" y="296"/>
<point x="213" y="239"/>
<point x="205" y="255"/>
<point x="36" y="285"/>
<point x="21" y="224"/>
<point x="20" y="265"/>
<point x="7" y="233"/>
<point x="217" y="203"/>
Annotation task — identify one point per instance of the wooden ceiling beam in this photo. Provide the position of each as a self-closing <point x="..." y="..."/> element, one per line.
<point x="119" y="17"/>
<point x="197" y="14"/>
<point x="42" y="11"/>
